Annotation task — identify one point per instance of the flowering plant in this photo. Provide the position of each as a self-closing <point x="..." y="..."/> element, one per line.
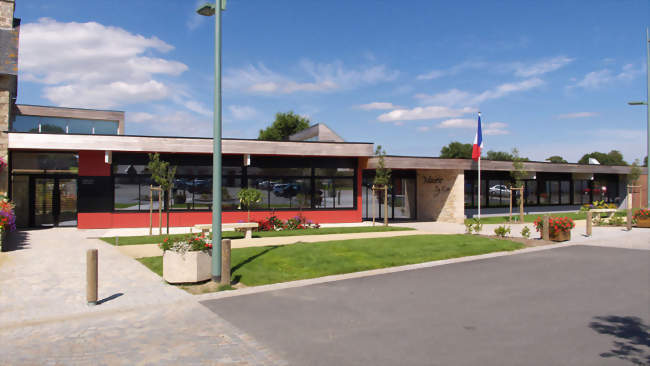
<point x="299" y="222"/>
<point x="7" y="216"/>
<point x="642" y="214"/>
<point x="3" y="163"/>
<point x="596" y="205"/>
<point x="556" y="224"/>
<point x="190" y="243"/>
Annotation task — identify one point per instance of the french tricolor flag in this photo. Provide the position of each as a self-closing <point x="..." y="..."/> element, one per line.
<point x="478" y="141"/>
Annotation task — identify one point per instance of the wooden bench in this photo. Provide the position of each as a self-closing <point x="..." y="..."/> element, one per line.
<point x="248" y="226"/>
<point x="611" y="211"/>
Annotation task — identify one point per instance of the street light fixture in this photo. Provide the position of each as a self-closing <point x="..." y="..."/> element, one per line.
<point x="209" y="9"/>
<point x="647" y="104"/>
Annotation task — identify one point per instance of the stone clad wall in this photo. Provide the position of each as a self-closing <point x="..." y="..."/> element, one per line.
<point x="6" y="13"/>
<point x="441" y="195"/>
<point x="6" y="82"/>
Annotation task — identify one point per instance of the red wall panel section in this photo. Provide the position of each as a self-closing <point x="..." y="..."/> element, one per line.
<point x="103" y="220"/>
<point x="91" y="164"/>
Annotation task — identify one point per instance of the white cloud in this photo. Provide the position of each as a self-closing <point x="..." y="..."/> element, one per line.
<point x="454" y="70"/>
<point x="423" y="128"/>
<point x="492" y="128"/>
<point x="458" y="97"/>
<point x="139" y="117"/>
<point x="541" y="67"/>
<point x="242" y="112"/>
<point x="378" y="106"/>
<point x="92" y="65"/>
<point x="495" y="128"/>
<point x="317" y="77"/>
<point x="420" y="113"/>
<point x="600" y="78"/>
<point x="166" y="122"/>
<point x="576" y="115"/>
<point x="197" y="107"/>
<point x="458" y="123"/>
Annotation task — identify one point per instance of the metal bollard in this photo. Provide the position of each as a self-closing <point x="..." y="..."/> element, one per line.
<point x="629" y="219"/>
<point x="91" y="276"/>
<point x="225" y="262"/>
<point x="545" y="228"/>
<point x="590" y="222"/>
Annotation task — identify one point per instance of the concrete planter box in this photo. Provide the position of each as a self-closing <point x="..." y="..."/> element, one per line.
<point x="643" y="223"/>
<point x="186" y="268"/>
<point x="560" y="235"/>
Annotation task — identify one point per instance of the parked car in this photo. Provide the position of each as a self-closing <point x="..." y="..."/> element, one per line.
<point x="265" y="185"/>
<point x="499" y="190"/>
<point x="287" y="190"/>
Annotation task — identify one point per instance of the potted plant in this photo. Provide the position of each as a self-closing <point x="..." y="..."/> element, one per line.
<point x="187" y="259"/>
<point x="642" y="217"/>
<point x="559" y="227"/>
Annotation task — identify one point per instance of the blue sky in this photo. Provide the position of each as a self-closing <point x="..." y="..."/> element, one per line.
<point x="550" y="78"/>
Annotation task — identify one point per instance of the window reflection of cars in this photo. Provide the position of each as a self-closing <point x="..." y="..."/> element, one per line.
<point x="287" y="190"/>
<point x="265" y="185"/>
<point x="499" y="190"/>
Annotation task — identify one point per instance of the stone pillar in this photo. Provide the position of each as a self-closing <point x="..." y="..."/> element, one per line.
<point x="7" y="13"/>
<point x="8" y="80"/>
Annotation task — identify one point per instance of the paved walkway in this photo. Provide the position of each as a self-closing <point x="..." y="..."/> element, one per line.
<point x="44" y="318"/>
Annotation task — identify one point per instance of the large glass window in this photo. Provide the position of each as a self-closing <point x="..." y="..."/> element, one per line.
<point x="43" y="162"/>
<point x="581" y="192"/>
<point x="531" y="192"/>
<point x="283" y="186"/>
<point x="127" y="193"/>
<point x="41" y="124"/>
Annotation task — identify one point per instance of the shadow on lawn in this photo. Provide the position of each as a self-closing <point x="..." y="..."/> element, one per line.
<point x="237" y="278"/>
<point x="632" y="341"/>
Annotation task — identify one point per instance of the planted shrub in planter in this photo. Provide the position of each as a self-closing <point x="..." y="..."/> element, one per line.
<point x="642" y="217"/>
<point x="525" y="232"/>
<point x="186" y="260"/>
<point x="559" y="227"/>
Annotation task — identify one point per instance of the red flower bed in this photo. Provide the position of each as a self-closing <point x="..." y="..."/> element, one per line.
<point x="556" y="224"/>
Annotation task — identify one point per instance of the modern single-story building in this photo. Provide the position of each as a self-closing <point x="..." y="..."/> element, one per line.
<point x="70" y="166"/>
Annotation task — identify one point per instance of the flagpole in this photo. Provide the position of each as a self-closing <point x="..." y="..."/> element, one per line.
<point x="479" y="187"/>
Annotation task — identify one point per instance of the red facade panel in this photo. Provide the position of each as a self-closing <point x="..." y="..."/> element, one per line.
<point x="91" y="164"/>
<point x="105" y="220"/>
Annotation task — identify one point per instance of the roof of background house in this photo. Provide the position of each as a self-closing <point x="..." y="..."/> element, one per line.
<point x="318" y="132"/>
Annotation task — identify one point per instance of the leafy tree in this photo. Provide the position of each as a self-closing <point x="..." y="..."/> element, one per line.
<point x="518" y="172"/>
<point x="556" y="159"/>
<point x="382" y="176"/>
<point x="613" y="157"/>
<point x="163" y="174"/>
<point x="635" y="173"/>
<point x="645" y="160"/>
<point x="249" y="198"/>
<point x="456" y="149"/>
<point x="499" y="155"/>
<point x="285" y="125"/>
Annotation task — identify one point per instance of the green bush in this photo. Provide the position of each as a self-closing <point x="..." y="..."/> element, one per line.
<point x="525" y="232"/>
<point x="502" y="231"/>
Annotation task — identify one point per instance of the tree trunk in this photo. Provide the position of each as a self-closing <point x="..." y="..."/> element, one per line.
<point x="167" y="203"/>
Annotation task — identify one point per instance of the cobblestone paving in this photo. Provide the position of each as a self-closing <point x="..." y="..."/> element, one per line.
<point x="44" y="319"/>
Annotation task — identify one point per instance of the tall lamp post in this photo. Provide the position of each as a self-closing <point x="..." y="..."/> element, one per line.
<point x="209" y="9"/>
<point x="647" y="104"/>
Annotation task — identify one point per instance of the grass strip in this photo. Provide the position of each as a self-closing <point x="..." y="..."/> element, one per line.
<point x="532" y="217"/>
<point x="155" y="239"/>
<point x="273" y="264"/>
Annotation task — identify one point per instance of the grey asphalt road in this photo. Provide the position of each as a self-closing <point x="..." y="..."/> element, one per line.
<point x="576" y="305"/>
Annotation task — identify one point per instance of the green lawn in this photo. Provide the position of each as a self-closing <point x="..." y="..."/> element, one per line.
<point x="154" y="239"/>
<point x="532" y="217"/>
<point x="153" y="263"/>
<point x="273" y="264"/>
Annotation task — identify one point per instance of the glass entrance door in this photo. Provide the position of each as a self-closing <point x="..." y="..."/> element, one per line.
<point x="55" y="202"/>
